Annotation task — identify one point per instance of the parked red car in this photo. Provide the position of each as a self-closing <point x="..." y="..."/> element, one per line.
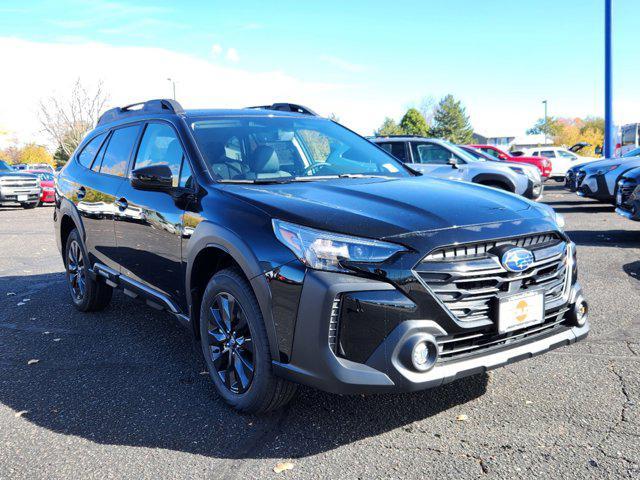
<point x="46" y="183"/>
<point x="543" y="164"/>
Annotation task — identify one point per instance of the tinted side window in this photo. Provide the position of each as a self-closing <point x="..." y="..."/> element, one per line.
<point x="396" y="149"/>
<point x="116" y="156"/>
<point x="89" y="151"/>
<point x="491" y="152"/>
<point x="431" y="153"/>
<point x="160" y="146"/>
<point x="547" y="153"/>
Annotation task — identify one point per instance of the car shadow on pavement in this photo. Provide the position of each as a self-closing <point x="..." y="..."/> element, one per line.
<point x="606" y="238"/>
<point x="132" y="376"/>
<point x="632" y="269"/>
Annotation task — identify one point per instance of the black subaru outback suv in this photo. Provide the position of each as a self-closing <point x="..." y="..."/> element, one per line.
<point x="298" y="252"/>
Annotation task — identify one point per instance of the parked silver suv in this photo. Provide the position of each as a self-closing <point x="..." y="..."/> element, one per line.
<point x="442" y="159"/>
<point x="16" y="187"/>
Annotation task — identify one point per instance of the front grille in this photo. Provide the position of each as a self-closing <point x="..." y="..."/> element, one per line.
<point x="466" y="344"/>
<point x="580" y="178"/>
<point x="18" y="182"/>
<point x="469" y="279"/>
<point x="460" y="252"/>
<point x="625" y="189"/>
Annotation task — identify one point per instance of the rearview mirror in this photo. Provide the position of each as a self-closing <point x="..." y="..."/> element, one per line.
<point x="453" y="161"/>
<point x="598" y="150"/>
<point x="153" y="177"/>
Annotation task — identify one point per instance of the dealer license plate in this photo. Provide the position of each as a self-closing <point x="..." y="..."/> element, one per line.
<point x="520" y="311"/>
<point x="23" y="198"/>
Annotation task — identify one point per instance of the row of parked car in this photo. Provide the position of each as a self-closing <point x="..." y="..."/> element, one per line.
<point x="28" y="187"/>
<point x="611" y="180"/>
<point x="521" y="172"/>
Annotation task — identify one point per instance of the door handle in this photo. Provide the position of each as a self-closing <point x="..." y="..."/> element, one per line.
<point x="81" y="193"/>
<point x="122" y="204"/>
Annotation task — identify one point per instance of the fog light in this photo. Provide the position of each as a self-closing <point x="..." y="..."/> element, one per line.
<point x="424" y="353"/>
<point x="580" y="312"/>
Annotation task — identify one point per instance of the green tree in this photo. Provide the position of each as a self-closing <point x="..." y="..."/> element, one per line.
<point x="413" y="123"/>
<point x="389" y="127"/>
<point x="60" y="156"/>
<point x="551" y="127"/>
<point x="451" y="122"/>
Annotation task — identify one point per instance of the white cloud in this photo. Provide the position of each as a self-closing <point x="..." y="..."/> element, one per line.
<point x="232" y="55"/>
<point x="342" y="64"/>
<point x="132" y="74"/>
<point x="216" y="50"/>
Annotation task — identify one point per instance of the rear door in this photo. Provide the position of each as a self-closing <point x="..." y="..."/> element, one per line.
<point x="148" y="223"/>
<point x="105" y="158"/>
<point x="397" y="149"/>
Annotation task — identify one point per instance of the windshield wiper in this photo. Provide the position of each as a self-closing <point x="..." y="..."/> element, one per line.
<point x="259" y="181"/>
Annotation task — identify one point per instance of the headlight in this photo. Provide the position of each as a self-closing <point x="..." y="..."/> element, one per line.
<point x="324" y="250"/>
<point x="523" y="171"/>
<point x="557" y="218"/>
<point x="608" y="169"/>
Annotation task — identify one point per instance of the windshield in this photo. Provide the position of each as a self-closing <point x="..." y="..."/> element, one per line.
<point x="44" y="176"/>
<point x="288" y="149"/>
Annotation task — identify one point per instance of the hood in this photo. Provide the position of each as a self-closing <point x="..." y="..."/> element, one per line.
<point x="16" y="173"/>
<point x="381" y="208"/>
<point x="593" y="167"/>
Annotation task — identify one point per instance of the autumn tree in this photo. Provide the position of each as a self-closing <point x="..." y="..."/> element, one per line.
<point x="549" y="126"/>
<point x="451" y="122"/>
<point x="413" y="123"/>
<point x="66" y="120"/>
<point x="389" y="127"/>
<point x="32" y="153"/>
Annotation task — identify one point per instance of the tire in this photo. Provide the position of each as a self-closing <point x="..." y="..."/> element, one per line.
<point x="87" y="294"/>
<point x="28" y="206"/>
<point x="227" y="352"/>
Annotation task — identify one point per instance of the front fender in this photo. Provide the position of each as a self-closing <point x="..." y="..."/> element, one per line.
<point x="208" y="234"/>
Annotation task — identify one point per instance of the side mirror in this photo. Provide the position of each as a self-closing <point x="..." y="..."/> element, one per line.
<point x="153" y="177"/>
<point x="453" y="161"/>
<point x="502" y="156"/>
<point x="598" y="150"/>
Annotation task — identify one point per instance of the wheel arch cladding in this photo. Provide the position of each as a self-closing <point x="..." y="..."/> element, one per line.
<point x="212" y="246"/>
<point x="493" y="179"/>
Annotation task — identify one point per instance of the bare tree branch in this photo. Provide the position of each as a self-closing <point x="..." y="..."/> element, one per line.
<point x="67" y="120"/>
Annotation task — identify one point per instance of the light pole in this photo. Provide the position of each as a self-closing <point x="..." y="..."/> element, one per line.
<point x="174" y="87"/>
<point x="608" y="149"/>
<point x="546" y="122"/>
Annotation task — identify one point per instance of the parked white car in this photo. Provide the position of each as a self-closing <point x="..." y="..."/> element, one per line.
<point x="562" y="159"/>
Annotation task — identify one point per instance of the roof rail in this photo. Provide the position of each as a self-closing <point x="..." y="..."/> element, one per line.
<point x="287" y="107"/>
<point x="163" y="105"/>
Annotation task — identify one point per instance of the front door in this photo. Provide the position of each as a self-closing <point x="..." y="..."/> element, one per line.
<point x="433" y="159"/>
<point x="149" y="224"/>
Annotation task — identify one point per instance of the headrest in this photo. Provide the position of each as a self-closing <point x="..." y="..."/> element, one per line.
<point x="265" y="160"/>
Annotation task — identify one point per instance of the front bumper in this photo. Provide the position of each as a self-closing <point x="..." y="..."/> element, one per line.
<point x="12" y="196"/>
<point x="595" y="186"/>
<point x="314" y="363"/>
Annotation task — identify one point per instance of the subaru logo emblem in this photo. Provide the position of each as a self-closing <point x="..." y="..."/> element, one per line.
<point x="517" y="259"/>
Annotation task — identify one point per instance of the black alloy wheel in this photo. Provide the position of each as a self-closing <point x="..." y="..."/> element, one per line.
<point x="230" y="343"/>
<point x="77" y="271"/>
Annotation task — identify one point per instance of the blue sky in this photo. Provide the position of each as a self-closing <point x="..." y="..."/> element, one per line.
<point x="363" y="60"/>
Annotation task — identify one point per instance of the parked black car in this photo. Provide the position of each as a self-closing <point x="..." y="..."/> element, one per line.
<point x="628" y="195"/>
<point x="299" y="252"/>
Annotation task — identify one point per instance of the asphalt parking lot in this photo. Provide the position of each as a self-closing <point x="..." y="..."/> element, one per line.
<point x="120" y="393"/>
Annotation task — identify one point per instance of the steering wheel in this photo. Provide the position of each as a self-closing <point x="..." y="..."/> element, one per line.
<point x="315" y="166"/>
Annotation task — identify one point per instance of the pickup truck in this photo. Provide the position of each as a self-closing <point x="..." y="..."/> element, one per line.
<point x="543" y="164"/>
<point x="17" y="187"/>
